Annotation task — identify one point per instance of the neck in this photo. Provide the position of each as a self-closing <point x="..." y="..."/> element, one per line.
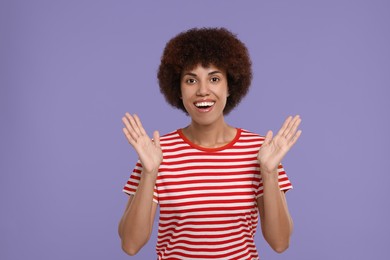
<point x="211" y="136"/>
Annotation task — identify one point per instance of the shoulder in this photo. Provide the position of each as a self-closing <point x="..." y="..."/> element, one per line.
<point x="249" y="139"/>
<point x="170" y="138"/>
<point x="170" y="135"/>
<point x="246" y="134"/>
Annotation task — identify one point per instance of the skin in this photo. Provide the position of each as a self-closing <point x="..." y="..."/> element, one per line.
<point x="206" y="84"/>
<point x="276" y="222"/>
<point x="208" y="129"/>
<point x="136" y="224"/>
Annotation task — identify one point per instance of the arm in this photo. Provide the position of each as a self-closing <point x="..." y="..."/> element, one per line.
<point x="276" y="222"/>
<point x="136" y="224"/>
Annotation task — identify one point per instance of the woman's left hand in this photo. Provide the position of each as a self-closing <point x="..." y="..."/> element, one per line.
<point x="274" y="149"/>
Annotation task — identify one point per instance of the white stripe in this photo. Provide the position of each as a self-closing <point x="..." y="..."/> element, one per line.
<point x="200" y="192"/>
<point x="214" y="219"/>
<point x="176" y="146"/>
<point x="237" y="205"/>
<point x="238" y="240"/>
<point x="210" y="214"/>
<point x="231" y="151"/>
<point x="199" y="252"/>
<point x="207" y="157"/>
<point x="230" y="228"/>
<point x="227" y="170"/>
<point x="205" y="164"/>
<point x="203" y="213"/>
<point x="205" y="199"/>
<point x="180" y="178"/>
<point x="208" y="185"/>
<point x="202" y="231"/>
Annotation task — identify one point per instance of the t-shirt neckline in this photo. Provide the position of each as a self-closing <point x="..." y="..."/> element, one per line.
<point x="208" y="149"/>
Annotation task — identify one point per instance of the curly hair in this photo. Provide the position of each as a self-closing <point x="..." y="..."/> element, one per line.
<point x="205" y="46"/>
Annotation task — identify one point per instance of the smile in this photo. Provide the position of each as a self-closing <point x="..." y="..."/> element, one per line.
<point x="204" y="106"/>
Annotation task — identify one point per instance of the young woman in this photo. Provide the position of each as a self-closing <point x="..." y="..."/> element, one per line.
<point x="210" y="179"/>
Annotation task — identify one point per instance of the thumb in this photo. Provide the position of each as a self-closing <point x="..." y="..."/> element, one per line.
<point x="156" y="138"/>
<point x="268" y="137"/>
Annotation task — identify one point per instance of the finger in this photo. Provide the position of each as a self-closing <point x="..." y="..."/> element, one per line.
<point x="156" y="138"/>
<point x="128" y="136"/>
<point x="139" y="124"/>
<point x="295" y="137"/>
<point x="129" y="127"/>
<point x="293" y="128"/>
<point x="268" y="137"/>
<point x="289" y="126"/>
<point x="284" y="126"/>
<point x="134" y="125"/>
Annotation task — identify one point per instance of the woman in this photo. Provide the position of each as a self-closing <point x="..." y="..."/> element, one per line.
<point x="209" y="179"/>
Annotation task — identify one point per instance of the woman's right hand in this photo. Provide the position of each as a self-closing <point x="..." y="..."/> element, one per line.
<point x="149" y="151"/>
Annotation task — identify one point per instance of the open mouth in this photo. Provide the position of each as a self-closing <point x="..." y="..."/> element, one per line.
<point x="204" y="105"/>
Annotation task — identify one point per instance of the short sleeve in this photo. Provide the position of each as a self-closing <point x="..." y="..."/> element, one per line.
<point x="132" y="183"/>
<point x="284" y="182"/>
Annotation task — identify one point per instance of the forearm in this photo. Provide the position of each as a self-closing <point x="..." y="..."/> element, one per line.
<point x="277" y="224"/>
<point x="136" y="224"/>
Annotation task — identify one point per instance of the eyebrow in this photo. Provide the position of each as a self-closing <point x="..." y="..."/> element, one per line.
<point x="210" y="73"/>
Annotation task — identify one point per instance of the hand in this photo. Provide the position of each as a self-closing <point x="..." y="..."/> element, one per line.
<point x="274" y="149"/>
<point x="149" y="151"/>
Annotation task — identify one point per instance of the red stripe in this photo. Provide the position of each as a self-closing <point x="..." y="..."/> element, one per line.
<point x="209" y="167"/>
<point x="196" y="223"/>
<point x="216" y="160"/>
<point x="255" y="174"/>
<point x="219" y="154"/>
<point x="224" y="215"/>
<point x="202" y="235"/>
<point x="216" y="181"/>
<point x="182" y="148"/>
<point x="215" y="255"/>
<point x="203" y="195"/>
<point x="177" y="211"/>
<point x="205" y="188"/>
<point x="206" y="202"/>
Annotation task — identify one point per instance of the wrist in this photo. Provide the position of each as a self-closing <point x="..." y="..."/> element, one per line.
<point x="269" y="175"/>
<point x="149" y="176"/>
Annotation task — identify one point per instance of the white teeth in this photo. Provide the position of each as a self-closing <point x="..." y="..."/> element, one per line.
<point x="204" y="104"/>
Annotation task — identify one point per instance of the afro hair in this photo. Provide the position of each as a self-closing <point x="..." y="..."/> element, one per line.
<point x="205" y="46"/>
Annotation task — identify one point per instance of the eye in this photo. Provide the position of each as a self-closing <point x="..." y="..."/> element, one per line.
<point x="214" y="79"/>
<point x="191" y="81"/>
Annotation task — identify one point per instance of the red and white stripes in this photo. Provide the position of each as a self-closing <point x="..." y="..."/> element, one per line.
<point x="207" y="197"/>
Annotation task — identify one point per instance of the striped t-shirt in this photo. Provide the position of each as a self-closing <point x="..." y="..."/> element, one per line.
<point x="207" y="197"/>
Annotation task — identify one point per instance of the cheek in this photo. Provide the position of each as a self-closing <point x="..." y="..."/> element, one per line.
<point x="186" y="93"/>
<point x="185" y="99"/>
<point x="184" y="96"/>
<point x="224" y="93"/>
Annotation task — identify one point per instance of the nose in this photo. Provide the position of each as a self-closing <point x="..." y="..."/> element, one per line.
<point x="203" y="89"/>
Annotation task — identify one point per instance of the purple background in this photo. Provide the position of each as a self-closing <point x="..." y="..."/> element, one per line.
<point x="69" y="70"/>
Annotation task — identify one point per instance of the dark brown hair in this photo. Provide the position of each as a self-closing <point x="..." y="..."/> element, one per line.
<point x="205" y="46"/>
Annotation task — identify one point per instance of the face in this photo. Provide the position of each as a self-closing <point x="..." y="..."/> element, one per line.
<point x="204" y="92"/>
